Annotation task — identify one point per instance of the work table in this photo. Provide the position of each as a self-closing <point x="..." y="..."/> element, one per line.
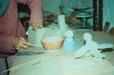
<point x="65" y="63"/>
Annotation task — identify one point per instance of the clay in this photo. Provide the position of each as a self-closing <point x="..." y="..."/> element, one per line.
<point x="92" y="47"/>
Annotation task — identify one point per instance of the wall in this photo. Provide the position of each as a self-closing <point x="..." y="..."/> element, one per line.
<point x="108" y="12"/>
<point x="51" y="5"/>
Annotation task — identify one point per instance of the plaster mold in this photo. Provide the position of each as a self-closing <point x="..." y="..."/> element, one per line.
<point x="35" y="37"/>
<point x="91" y="48"/>
<point x="53" y="26"/>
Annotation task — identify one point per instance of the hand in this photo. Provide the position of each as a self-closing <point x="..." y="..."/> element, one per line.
<point x="20" y="42"/>
<point x="36" y="25"/>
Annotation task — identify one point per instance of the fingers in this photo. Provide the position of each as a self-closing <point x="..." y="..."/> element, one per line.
<point x="23" y="43"/>
<point x="36" y="25"/>
<point x="23" y="38"/>
<point x="19" y="43"/>
<point x="23" y="46"/>
<point x="26" y="43"/>
<point x="41" y="26"/>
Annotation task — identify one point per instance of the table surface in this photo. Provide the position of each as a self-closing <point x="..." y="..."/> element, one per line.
<point x="65" y="63"/>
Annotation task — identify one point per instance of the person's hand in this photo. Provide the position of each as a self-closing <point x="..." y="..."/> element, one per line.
<point x="36" y="25"/>
<point x="20" y="42"/>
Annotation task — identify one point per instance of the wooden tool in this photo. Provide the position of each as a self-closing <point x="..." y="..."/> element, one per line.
<point x="21" y="65"/>
<point x="30" y="62"/>
<point x="46" y="59"/>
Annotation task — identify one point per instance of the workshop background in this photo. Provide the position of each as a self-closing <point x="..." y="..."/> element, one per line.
<point x="53" y="6"/>
<point x="98" y="15"/>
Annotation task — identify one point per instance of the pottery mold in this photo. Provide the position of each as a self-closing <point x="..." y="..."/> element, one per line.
<point x="35" y="37"/>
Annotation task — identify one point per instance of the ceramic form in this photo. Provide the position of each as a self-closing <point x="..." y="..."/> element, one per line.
<point x="35" y="37"/>
<point x="62" y="25"/>
<point x="52" y="43"/>
<point x="91" y="48"/>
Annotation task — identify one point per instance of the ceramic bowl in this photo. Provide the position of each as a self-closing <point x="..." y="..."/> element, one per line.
<point x="52" y="43"/>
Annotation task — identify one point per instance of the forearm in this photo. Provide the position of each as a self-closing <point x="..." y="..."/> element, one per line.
<point x="36" y="11"/>
<point x="5" y="44"/>
<point x="35" y="7"/>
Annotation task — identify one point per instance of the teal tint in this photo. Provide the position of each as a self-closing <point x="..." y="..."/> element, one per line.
<point x="3" y="6"/>
<point x="69" y="46"/>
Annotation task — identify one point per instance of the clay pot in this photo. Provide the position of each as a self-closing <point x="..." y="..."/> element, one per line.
<point x="52" y="43"/>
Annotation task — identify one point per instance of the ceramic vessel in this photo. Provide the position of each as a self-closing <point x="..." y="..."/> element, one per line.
<point x="52" y="43"/>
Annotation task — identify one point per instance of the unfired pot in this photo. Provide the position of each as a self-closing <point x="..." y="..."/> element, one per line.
<point x="52" y="43"/>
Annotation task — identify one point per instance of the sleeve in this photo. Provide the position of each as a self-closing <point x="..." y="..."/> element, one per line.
<point x="12" y="47"/>
<point x="35" y="7"/>
<point x="5" y="45"/>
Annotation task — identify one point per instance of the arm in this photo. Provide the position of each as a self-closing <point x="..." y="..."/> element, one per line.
<point x="35" y="7"/>
<point x="5" y="45"/>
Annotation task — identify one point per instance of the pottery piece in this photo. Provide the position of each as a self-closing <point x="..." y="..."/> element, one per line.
<point x="62" y="25"/>
<point x="92" y="47"/>
<point x="52" y="43"/>
<point x="36" y="36"/>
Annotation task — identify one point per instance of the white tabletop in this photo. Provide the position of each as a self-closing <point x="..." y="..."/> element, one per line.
<point x="63" y="64"/>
